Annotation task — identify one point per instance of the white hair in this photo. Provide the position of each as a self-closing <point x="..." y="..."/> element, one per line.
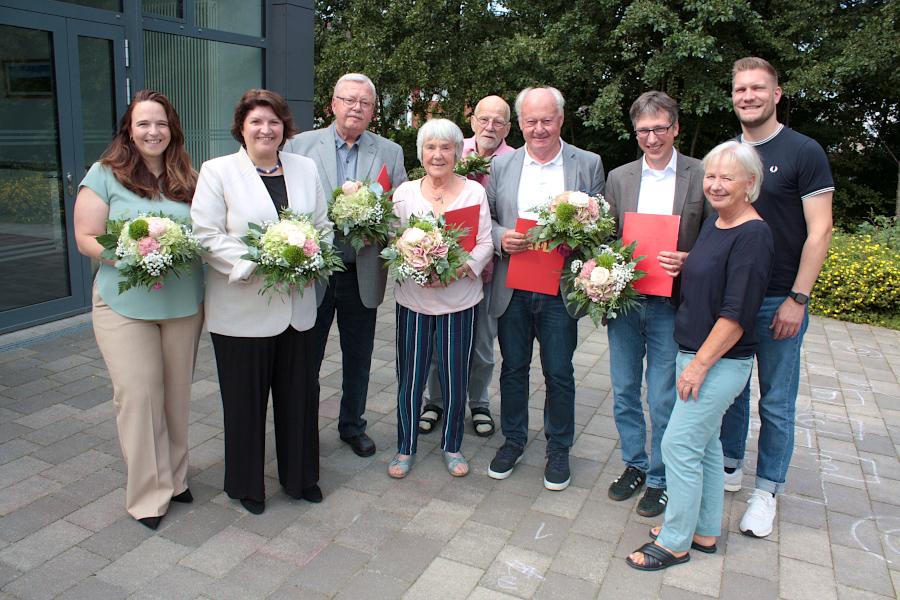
<point x="440" y="129"/>
<point x="557" y="95"/>
<point x="745" y="156"/>
<point x="355" y="77"/>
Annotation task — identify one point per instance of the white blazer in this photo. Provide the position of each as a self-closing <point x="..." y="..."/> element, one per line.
<point x="229" y="196"/>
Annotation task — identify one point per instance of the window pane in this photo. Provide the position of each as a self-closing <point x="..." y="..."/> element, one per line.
<point x="204" y="80"/>
<point x="98" y="100"/>
<point x="115" y="5"/>
<point x="164" y="8"/>
<point x="237" y="16"/>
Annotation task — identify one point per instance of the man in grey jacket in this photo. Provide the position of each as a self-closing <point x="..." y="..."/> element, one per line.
<point x="344" y="151"/>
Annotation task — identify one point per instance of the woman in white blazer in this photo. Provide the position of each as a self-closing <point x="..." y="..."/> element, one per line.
<point x="262" y="343"/>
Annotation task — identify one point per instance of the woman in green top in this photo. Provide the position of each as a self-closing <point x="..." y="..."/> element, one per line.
<point x="148" y="338"/>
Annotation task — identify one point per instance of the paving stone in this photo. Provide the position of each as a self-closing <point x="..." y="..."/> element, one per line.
<point x="78" y="466"/>
<point x="36" y="515"/>
<point x="256" y="577"/>
<point x="43" y="545"/>
<point x="67" y="448"/>
<point x="93" y="486"/>
<point x="803" y="581"/>
<point x="566" y="505"/>
<point x="602" y="520"/>
<point x="557" y="586"/>
<point x="372" y="529"/>
<point x="583" y="557"/>
<point x="502" y="509"/>
<point x="751" y="556"/>
<point x="94" y="588"/>
<point x="341" y="508"/>
<point x="516" y="571"/>
<point x="19" y="469"/>
<point x="196" y="527"/>
<point x="483" y="593"/>
<point x="57" y="575"/>
<point x="445" y="579"/>
<point x="849" y="593"/>
<point x="622" y="577"/>
<point x="801" y="511"/>
<point x="737" y="586"/>
<point x="178" y="583"/>
<point x="700" y="576"/>
<point x="476" y="544"/>
<point x="372" y="584"/>
<point x="223" y="552"/>
<point x="119" y="538"/>
<point x="299" y="543"/>
<point x="438" y="520"/>
<point x="16" y="448"/>
<point x="863" y="570"/>
<point x="541" y="533"/>
<point x="395" y="559"/>
<point x="146" y="562"/>
<point x="48" y="416"/>
<point x="805" y="543"/>
<point x="330" y="568"/>
<point x="100" y="513"/>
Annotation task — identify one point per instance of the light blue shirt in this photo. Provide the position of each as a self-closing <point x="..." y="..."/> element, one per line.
<point x="346" y="171"/>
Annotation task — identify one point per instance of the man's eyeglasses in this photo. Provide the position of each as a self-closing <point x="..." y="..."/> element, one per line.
<point x="658" y="131"/>
<point x="351" y="102"/>
<point x="485" y="121"/>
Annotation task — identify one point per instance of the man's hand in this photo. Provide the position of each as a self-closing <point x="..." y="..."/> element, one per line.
<point x="513" y="242"/>
<point x="787" y="320"/>
<point x="671" y="262"/>
<point x="690" y="380"/>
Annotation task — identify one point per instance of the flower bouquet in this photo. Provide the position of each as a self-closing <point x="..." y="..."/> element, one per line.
<point x="604" y="284"/>
<point x="290" y="253"/>
<point x="573" y="220"/>
<point x="147" y="248"/>
<point x="362" y="211"/>
<point x="425" y="251"/>
<point x="473" y="164"/>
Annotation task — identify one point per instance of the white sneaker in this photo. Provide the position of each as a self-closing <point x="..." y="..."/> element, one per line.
<point x="760" y="515"/>
<point x="733" y="480"/>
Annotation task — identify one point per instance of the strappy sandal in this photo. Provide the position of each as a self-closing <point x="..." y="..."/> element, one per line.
<point x="481" y="418"/>
<point x="428" y="421"/>
<point x="656" y="558"/>
<point x="452" y="462"/>
<point x="711" y="549"/>
<point x="404" y="464"/>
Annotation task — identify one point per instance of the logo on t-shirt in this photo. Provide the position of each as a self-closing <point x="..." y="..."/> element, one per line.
<point x="773" y="169"/>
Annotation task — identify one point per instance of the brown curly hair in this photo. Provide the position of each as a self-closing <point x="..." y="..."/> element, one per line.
<point x="253" y="98"/>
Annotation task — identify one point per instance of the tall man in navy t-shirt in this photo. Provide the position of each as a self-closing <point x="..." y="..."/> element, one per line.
<point x="795" y="201"/>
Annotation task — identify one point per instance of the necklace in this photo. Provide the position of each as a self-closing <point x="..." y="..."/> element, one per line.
<point x="274" y="169"/>
<point x="437" y="194"/>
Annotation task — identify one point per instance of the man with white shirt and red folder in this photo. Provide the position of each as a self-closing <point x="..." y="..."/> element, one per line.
<point x="346" y="151"/>
<point x="667" y="183"/>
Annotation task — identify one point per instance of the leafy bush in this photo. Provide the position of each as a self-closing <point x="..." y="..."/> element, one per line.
<point x="860" y="280"/>
<point x="883" y="230"/>
<point x="25" y="197"/>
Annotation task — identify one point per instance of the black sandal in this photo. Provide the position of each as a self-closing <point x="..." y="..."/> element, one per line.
<point x="711" y="549"/>
<point x="656" y="558"/>
<point x="427" y="422"/>
<point x="489" y="421"/>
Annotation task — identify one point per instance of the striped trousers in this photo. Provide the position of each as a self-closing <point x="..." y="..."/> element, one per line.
<point x="418" y="335"/>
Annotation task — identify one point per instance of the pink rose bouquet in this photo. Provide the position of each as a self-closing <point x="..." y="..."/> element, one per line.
<point x="574" y="221"/>
<point x="604" y="283"/>
<point x="426" y="251"/>
<point x="362" y="212"/>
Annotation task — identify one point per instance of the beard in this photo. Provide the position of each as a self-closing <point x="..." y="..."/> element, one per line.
<point x="767" y="111"/>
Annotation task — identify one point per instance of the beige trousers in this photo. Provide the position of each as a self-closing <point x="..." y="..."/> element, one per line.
<point x="151" y="365"/>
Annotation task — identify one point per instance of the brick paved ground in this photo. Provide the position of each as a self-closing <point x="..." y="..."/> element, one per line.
<point x="64" y="532"/>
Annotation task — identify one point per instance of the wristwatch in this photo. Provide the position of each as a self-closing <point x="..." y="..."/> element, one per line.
<point x="798" y="297"/>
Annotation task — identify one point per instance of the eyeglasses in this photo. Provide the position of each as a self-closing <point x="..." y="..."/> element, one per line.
<point x="485" y="121"/>
<point x="351" y="102"/>
<point x="658" y="131"/>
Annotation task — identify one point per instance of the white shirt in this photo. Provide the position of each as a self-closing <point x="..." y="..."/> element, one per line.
<point x="657" y="195"/>
<point x="540" y="183"/>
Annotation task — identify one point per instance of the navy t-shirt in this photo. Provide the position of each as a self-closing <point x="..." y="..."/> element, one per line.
<point x="794" y="168"/>
<point x="725" y="275"/>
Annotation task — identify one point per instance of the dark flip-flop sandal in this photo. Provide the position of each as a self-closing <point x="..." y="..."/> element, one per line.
<point x="656" y="558"/>
<point x="483" y="412"/>
<point x="427" y="423"/>
<point x="711" y="549"/>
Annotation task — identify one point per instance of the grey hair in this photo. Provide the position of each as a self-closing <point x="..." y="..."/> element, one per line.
<point x="744" y="155"/>
<point x="557" y="95"/>
<point x="357" y="78"/>
<point x="651" y="103"/>
<point x="440" y="129"/>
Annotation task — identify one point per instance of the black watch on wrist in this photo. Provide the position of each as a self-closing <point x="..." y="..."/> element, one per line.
<point x="798" y="297"/>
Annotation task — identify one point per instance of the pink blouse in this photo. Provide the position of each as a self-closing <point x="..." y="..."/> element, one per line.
<point x="462" y="293"/>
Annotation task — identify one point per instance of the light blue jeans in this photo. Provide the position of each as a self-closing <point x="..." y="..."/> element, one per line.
<point x="648" y="329"/>
<point x="693" y="454"/>
<point x="779" y="379"/>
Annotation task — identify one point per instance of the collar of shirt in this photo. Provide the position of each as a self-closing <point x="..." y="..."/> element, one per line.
<point x="648" y="172"/>
<point x="340" y="142"/>
<point x="470" y="147"/>
<point x="557" y="160"/>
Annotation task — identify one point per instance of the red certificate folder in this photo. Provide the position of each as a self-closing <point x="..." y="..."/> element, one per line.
<point x="654" y="234"/>
<point x="465" y="218"/>
<point x="534" y="270"/>
<point x="383" y="178"/>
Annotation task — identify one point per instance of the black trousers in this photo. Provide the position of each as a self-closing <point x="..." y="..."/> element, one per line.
<point x="248" y="369"/>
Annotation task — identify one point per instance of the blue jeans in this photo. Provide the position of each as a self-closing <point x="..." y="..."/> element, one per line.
<point x="649" y="330"/>
<point x="779" y="377"/>
<point x="531" y="316"/>
<point x="356" y="327"/>
<point x="693" y="454"/>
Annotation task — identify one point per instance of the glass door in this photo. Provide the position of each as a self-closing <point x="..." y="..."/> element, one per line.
<point x="61" y="88"/>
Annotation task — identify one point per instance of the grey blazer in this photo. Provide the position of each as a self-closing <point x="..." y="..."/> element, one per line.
<point x="583" y="172"/>
<point x="624" y="187"/>
<point x="374" y="152"/>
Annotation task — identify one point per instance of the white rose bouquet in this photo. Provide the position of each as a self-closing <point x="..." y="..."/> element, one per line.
<point x="426" y="251"/>
<point x="146" y="249"/>
<point x="604" y="284"/>
<point x="290" y="253"/>
<point x="572" y="221"/>
<point x="362" y="211"/>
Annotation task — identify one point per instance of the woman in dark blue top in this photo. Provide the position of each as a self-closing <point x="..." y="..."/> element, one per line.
<point x="724" y="280"/>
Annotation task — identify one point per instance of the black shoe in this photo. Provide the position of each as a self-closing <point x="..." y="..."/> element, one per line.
<point x="556" y="474"/>
<point x="653" y="502"/>
<point x="627" y="484"/>
<point x="186" y="497"/>
<point x="151" y="522"/>
<point x="506" y="459"/>
<point x="254" y="506"/>
<point x="312" y="494"/>
<point x="361" y="444"/>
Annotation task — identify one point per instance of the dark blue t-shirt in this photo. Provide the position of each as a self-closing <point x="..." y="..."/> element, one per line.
<point x="725" y="275"/>
<point x="794" y="168"/>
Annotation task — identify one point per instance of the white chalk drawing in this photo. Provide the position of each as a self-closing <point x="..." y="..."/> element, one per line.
<point x="834" y="469"/>
<point x="889" y="533"/>
<point x="538" y="535"/>
<point x="837" y="397"/>
<point x="510" y="581"/>
<point x="828" y="424"/>
<point x="858" y="349"/>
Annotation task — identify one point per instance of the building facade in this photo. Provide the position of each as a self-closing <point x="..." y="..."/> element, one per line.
<point x="67" y="72"/>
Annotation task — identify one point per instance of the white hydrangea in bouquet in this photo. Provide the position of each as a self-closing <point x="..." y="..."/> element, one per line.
<point x="573" y="221"/>
<point x="426" y="251"/>
<point x="363" y="212"/>
<point x="148" y="248"/>
<point x="290" y="253"/>
<point x="604" y="283"/>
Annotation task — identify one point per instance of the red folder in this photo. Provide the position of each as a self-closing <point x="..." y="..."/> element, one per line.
<point x="654" y="234"/>
<point x="383" y="178"/>
<point x="465" y="218"/>
<point x="535" y="270"/>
